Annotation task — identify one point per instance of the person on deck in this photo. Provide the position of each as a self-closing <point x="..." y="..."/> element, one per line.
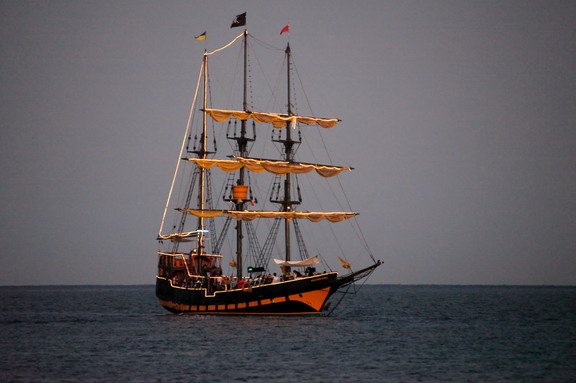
<point x="276" y="278"/>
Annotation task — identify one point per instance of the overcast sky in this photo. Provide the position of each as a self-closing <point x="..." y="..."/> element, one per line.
<point x="459" y="117"/>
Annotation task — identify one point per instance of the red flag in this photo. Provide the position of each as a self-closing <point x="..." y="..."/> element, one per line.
<point x="285" y="29"/>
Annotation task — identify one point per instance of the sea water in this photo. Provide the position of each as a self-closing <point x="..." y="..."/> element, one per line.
<point x="380" y="334"/>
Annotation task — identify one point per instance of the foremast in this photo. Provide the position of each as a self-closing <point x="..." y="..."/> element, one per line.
<point x="171" y="261"/>
<point x="203" y="154"/>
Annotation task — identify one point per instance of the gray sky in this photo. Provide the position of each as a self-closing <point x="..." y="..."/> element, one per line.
<point x="459" y="117"/>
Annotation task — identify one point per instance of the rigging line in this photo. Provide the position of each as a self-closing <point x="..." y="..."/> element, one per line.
<point x="305" y="141"/>
<point x="358" y="229"/>
<point x="221" y="194"/>
<point x="280" y="77"/>
<point x="263" y="73"/>
<point x="312" y="113"/>
<point x="365" y="280"/>
<point x="210" y="201"/>
<point x="180" y="227"/>
<point x="302" y="249"/>
<point x="339" y="301"/>
<point x="179" y="200"/>
<point x="190" y="114"/>
<point x="250" y="102"/>
<point x="225" y="46"/>
<point x="322" y="260"/>
<point x="264" y="200"/>
<point x="236" y="76"/>
<point x="292" y="87"/>
<point x="364" y="242"/>
<point x="336" y="240"/>
<point x="210" y="101"/>
<point x="331" y="228"/>
<point x="265" y="44"/>
<point x="356" y="290"/>
<point x="263" y="196"/>
<point x="230" y="92"/>
<point x="275" y="105"/>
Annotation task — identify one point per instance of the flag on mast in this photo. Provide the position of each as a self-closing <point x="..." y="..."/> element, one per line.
<point x="201" y="36"/>
<point x="285" y="29"/>
<point x="239" y="20"/>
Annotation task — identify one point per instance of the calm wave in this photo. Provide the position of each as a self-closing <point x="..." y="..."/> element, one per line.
<point x="384" y="333"/>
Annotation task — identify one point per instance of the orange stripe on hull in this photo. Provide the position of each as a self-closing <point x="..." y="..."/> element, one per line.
<point x="313" y="299"/>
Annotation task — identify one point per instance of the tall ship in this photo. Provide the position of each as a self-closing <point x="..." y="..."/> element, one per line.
<point x="241" y="248"/>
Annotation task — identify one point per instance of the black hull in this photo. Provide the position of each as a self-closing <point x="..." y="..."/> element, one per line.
<point x="301" y="296"/>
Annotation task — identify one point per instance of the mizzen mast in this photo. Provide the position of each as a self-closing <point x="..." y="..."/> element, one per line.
<point x="288" y="153"/>
<point x="288" y="144"/>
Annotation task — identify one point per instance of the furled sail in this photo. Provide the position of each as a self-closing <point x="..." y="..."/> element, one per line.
<point x="276" y="119"/>
<point x="225" y="165"/>
<point x="275" y="167"/>
<point x="178" y="236"/>
<point x="248" y="215"/>
<point x="202" y="213"/>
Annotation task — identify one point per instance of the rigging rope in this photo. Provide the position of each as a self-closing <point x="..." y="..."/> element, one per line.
<point x="265" y="44"/>
<point x="357" y="229"/>
<point x="300" y="241"/>
<point x="190" y="114"/>
<point x="211" y="222"/>
<point x="225" y="46"/>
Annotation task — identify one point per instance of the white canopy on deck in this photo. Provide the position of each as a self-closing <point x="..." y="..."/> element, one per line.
<point x="305" y="262"/>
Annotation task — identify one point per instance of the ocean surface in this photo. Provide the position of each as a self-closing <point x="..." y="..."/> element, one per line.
<point x="381" y="334"/>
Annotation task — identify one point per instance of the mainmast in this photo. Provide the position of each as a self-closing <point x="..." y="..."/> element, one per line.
<point x="242" y="151"/>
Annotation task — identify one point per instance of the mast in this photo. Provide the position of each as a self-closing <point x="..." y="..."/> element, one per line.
<point x="242" y="146"/>
<point x="202" y="154"/>
<point x="287" y="204"/>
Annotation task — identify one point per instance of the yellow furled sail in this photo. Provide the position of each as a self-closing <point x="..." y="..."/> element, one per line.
<point x="277" y="120"/>
<point x="248" y="215"/>
<point x="225" y="165"/>
<point x="203" y="213"/>
<point x="275" y="167"/>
